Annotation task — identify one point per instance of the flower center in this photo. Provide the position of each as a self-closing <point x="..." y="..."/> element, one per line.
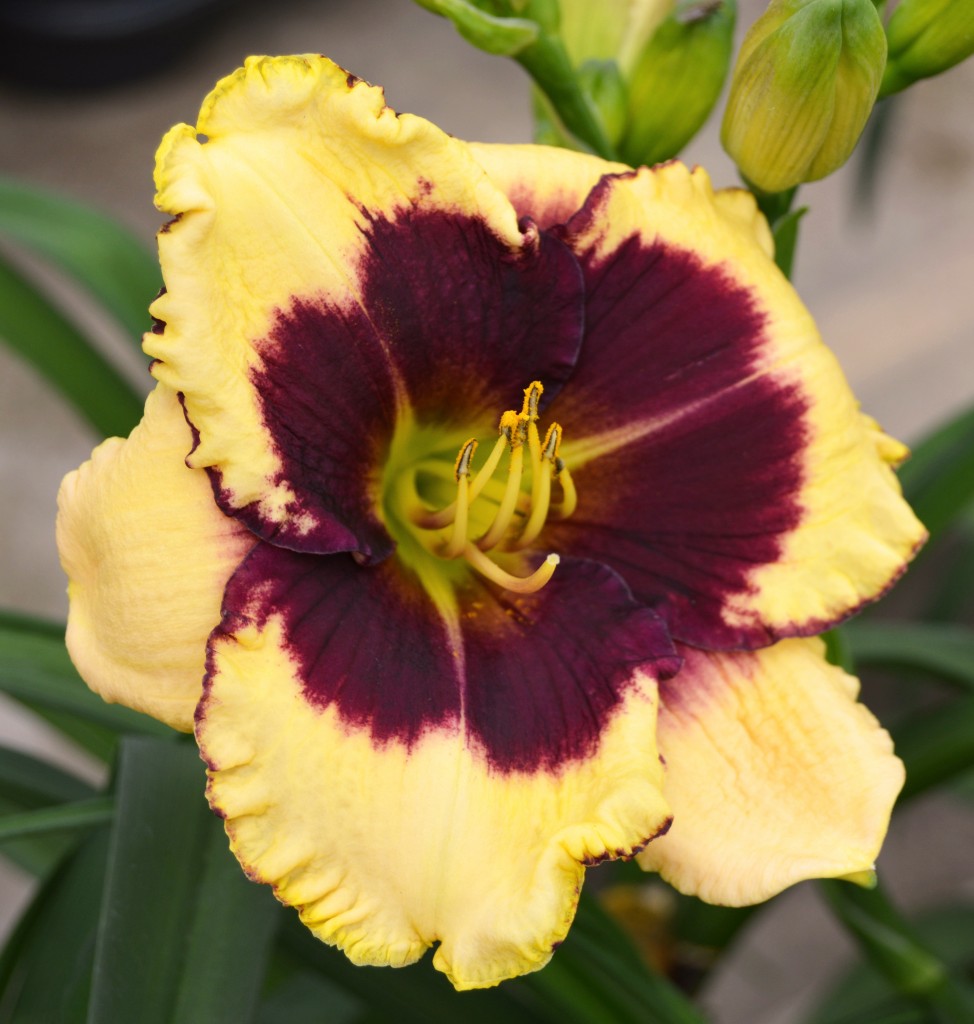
<point x="488" y="517"/>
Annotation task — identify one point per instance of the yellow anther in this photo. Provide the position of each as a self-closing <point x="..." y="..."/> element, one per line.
<point x="465" y="456"/>
<point x="508" y="425"/>
<point x="552" y="443"/>
<point x="532" y="396"/>
<point x="519" y="584"/>
<point x="569" y="497"/>
<point x="458" y="535"/>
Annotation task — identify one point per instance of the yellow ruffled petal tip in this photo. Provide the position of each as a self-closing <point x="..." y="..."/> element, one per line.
<point x="147" y="554"/>
<point x="409" y="846"/>
<point x="775" y="775"/>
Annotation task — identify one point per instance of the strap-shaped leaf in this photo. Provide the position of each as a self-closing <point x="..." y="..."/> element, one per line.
<point x="99" y="254"/>
<point x="36" y="670"/>
<point x="303" y="997"/>
<point x="26" y="784"/>
<point x="891" y="944"/>
<point x="596" y="977"/>
<point x="936" y="649"/>
<point x="36" y="783"/>
<point x="65" y="817"/>
<point x="938" y="480"/>
<point x="863" y="994"/>
<point x="415" y="995"/>
<point x="61" y="353"/>
<point x="183" y="936"/>
<point x="936" y="746"/>
<point x="45" y="968"/>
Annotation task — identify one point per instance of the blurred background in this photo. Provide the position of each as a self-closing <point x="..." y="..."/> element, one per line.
<point x="890" y="287"/>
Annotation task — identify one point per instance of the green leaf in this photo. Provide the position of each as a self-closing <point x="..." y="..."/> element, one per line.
<point x="952" y="600"/>
<point x="35" y="783"/>
<point x="45" y="968"/>
<point x="27" y="784"/>
<point x="941" y="650"/>
<point x="596" y="976"/>
<point x="183" y="937"/>
<point x="102" y="256"/>
<point x="36" y="855"/>
<point x="62" y="354"/>
<point x="893" y="947"/>
<point x="938" y="480"/>
<point x="303" y="997"/>
<point x="863" y="994"/>
<point x="936" y="746"/>
<point x="36" y="670"/>
<point x="414" y="995"/>
<point x="81" y="814"/>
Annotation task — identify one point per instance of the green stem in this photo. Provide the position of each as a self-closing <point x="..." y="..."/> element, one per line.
<point x="548" y="64"/>
<point x="889" y="942"/>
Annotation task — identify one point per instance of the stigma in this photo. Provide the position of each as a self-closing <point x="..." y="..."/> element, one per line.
<point x="518" y="508"/>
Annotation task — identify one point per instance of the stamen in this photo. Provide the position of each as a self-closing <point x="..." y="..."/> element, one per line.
<point x="458" y="536"/>
<point x="541" y="487"/>
<point x="532" y="396"/>
<point x="444" y="516"/>
<point x="519" y="434"/>
<point x="511" y="492"/>
<point x="520" y="585"/>
<point x="529" y="413"/>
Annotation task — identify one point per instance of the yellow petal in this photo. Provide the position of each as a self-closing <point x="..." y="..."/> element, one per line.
<point x="852" y="533"/>
<point x="273" y="193"/>
<point x="775" y="774"/>
<point x="147" y="554"/>
<point x="542" y="182"/>
<point x="386" y="848"/>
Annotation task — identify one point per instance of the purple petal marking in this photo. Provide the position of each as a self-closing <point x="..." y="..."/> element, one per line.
<point x="532" y="683"/>
<point x="451" y="323"/>
<point x="688" y="511"/>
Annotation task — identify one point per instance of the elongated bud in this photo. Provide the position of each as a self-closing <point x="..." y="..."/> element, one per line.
<point x="677" y="78"/>
<point x="609" y="29"/>
<point x="805" y="82"/>
<point x="925" y="38"/>
<point x="499" y="35"/>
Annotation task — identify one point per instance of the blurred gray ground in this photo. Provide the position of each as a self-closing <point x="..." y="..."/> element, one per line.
<point x="892" y="293"/>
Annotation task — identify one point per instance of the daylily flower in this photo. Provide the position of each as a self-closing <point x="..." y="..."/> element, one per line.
<point x="420" y="725"/>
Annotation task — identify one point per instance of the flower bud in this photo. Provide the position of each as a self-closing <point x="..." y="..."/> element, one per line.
<point x="677" y="78"/>
<point x="925" y="38"/>
<point x="502" y="36"/>
<point x="609" y="29"/>
<point x="805" y="82"/>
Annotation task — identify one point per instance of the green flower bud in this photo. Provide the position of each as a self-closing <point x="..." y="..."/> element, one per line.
<point x="925" y="38"/>
<point x="502" y="36"/>
<point x="609" y="29"/>
<point x="677" y="78"/>
<point x="805" y="82"/>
